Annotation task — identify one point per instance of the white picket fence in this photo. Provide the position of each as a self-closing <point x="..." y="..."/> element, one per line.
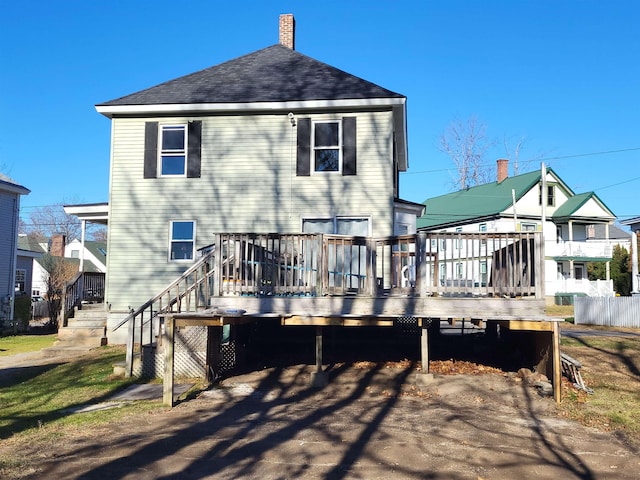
<point x="608" y="311"/>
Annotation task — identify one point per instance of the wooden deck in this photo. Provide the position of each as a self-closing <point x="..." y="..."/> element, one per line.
<point x="321" y="280"/>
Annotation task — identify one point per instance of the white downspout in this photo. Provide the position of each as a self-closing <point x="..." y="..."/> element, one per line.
<point x="634" y="263"/>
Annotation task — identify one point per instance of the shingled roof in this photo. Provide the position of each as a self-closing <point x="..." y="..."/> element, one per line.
<point x="273" y="74"/>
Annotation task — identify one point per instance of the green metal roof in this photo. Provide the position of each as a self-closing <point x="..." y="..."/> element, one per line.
<point x="477" y="202"/>
<point x="573" y="204"/>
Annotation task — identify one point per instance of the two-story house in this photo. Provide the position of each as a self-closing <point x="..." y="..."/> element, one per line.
<point x="273" y="141"/>
<point x="10" y="275"/>
<point x="575" y="227"/>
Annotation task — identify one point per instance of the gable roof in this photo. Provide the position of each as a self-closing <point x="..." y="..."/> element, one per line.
<point x="476" y="203"/>
<point x="488" y="201"/>
<point x="97" y="249"/>
<point x="27" y="243"/>
<point x="9" y="185"/>
<point x="573" y="204"/>
<point x="273" y="74"/>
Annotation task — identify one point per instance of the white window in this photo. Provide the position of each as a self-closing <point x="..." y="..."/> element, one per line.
<point x="457" y="244"/>
<point x="21" y="278"/>
<point x="528" y="227"/>
<point x="482" y="227"/>
<point x="356" y="226"/>
<point x="183" y="240"/>
<point x="327" y="146"/>
<point x="173" y="150"/>
<point x="550" y="196"/>
<point x="75" y="253"/>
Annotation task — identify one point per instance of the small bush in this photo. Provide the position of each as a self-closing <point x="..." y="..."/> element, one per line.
<point x="22" y="312"/>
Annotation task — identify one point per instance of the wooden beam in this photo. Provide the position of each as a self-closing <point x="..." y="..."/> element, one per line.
<point x="557" y="363"/>
<point x="424" y="347"/>
<point x="337" y="320"/>
<point x="167" y="384"/>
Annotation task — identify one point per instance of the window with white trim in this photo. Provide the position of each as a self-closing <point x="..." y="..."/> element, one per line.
<point x="182" y="240"/>
<point x="550" y="196"/>
<point x="357" y="226"/>
<point x="528" y="227"/>
<point x="21" y="279"/>
<point x="327" y="146"/>
<point x="173" y="150"/>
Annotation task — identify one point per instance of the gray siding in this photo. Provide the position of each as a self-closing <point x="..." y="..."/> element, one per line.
<point x="248" y="184"/>
<point x="8" y="239"/>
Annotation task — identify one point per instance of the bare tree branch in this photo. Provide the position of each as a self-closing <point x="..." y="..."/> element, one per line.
<point x="466" y="143"/>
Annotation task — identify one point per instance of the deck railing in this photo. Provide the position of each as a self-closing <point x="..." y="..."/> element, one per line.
<point x="83" y="287"/>
<point x="190" y="292"/>
<point x="463" y="264"/>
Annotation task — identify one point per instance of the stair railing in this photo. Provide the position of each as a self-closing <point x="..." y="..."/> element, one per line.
<point x="190" y="292"/>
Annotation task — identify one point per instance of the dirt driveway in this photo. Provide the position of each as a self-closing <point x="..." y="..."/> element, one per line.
<point x="369" y="423"/>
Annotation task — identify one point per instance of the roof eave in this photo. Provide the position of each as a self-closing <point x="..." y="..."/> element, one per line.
<point x="181" y="108"/>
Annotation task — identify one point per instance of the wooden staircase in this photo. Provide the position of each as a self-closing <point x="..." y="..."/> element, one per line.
<point x="84" y="331"/>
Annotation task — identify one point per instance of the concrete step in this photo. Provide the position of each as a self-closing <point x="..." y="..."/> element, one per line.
<point x="85" y="323"/>
<point x="80" y="331"/>
<point x="81" y="341"/>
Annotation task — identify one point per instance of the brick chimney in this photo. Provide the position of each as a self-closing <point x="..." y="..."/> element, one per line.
<point x="58" y="242"/>
<point x="288" y="31"/>
<point x="503" y="169"/>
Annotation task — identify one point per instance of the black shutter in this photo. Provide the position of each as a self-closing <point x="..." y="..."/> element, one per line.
<point x="193" y="154"/>
<point x="349" y="146"/>
<point x="303" y="163"/>
<point x="150" y="149"/>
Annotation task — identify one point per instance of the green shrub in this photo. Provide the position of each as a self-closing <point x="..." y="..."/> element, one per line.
<point x="22" y="312"/>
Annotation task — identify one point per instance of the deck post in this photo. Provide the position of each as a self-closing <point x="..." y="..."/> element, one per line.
<point x="167" y="384"/>
<point x="217" y="265"/>
<point x="557" y="364"/>
<point x="423" y="378"/>
<point x="319" y="378"/>
<point x="131" y="331"/>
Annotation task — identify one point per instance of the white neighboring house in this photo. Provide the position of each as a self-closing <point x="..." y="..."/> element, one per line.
<point x="634" y="224"/>
<point x="10" y="193"/>
<point x="95" y="259"/>
<point x="531" y="202"/>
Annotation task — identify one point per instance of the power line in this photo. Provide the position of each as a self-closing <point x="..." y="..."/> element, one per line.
<point x="561" y="157"/>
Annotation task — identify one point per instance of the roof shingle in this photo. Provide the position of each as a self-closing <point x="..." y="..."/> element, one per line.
<point x="273" y="74"/>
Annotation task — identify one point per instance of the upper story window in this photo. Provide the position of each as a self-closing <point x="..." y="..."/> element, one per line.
<point x="75" y="253"/>
<point x="173" y="153"/>
<point x="327" y="146"/>
<point x="482" y="227"/>
<point x="172" y="150"/>
<point x="528" y="227"/>
<point x="183" y="240"/>
<point x="550" y="196"/>
<point x="21" y="279"/>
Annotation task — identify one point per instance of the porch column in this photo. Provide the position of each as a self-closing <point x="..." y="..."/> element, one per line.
<point x="82" y="237"/>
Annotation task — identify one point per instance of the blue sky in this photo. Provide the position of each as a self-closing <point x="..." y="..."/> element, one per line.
<point x="563" y="75"/>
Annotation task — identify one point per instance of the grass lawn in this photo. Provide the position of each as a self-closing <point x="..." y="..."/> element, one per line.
<point x="36" y="400"/>
<point x="611" y="367"/>
<point x="15" y="344"/>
